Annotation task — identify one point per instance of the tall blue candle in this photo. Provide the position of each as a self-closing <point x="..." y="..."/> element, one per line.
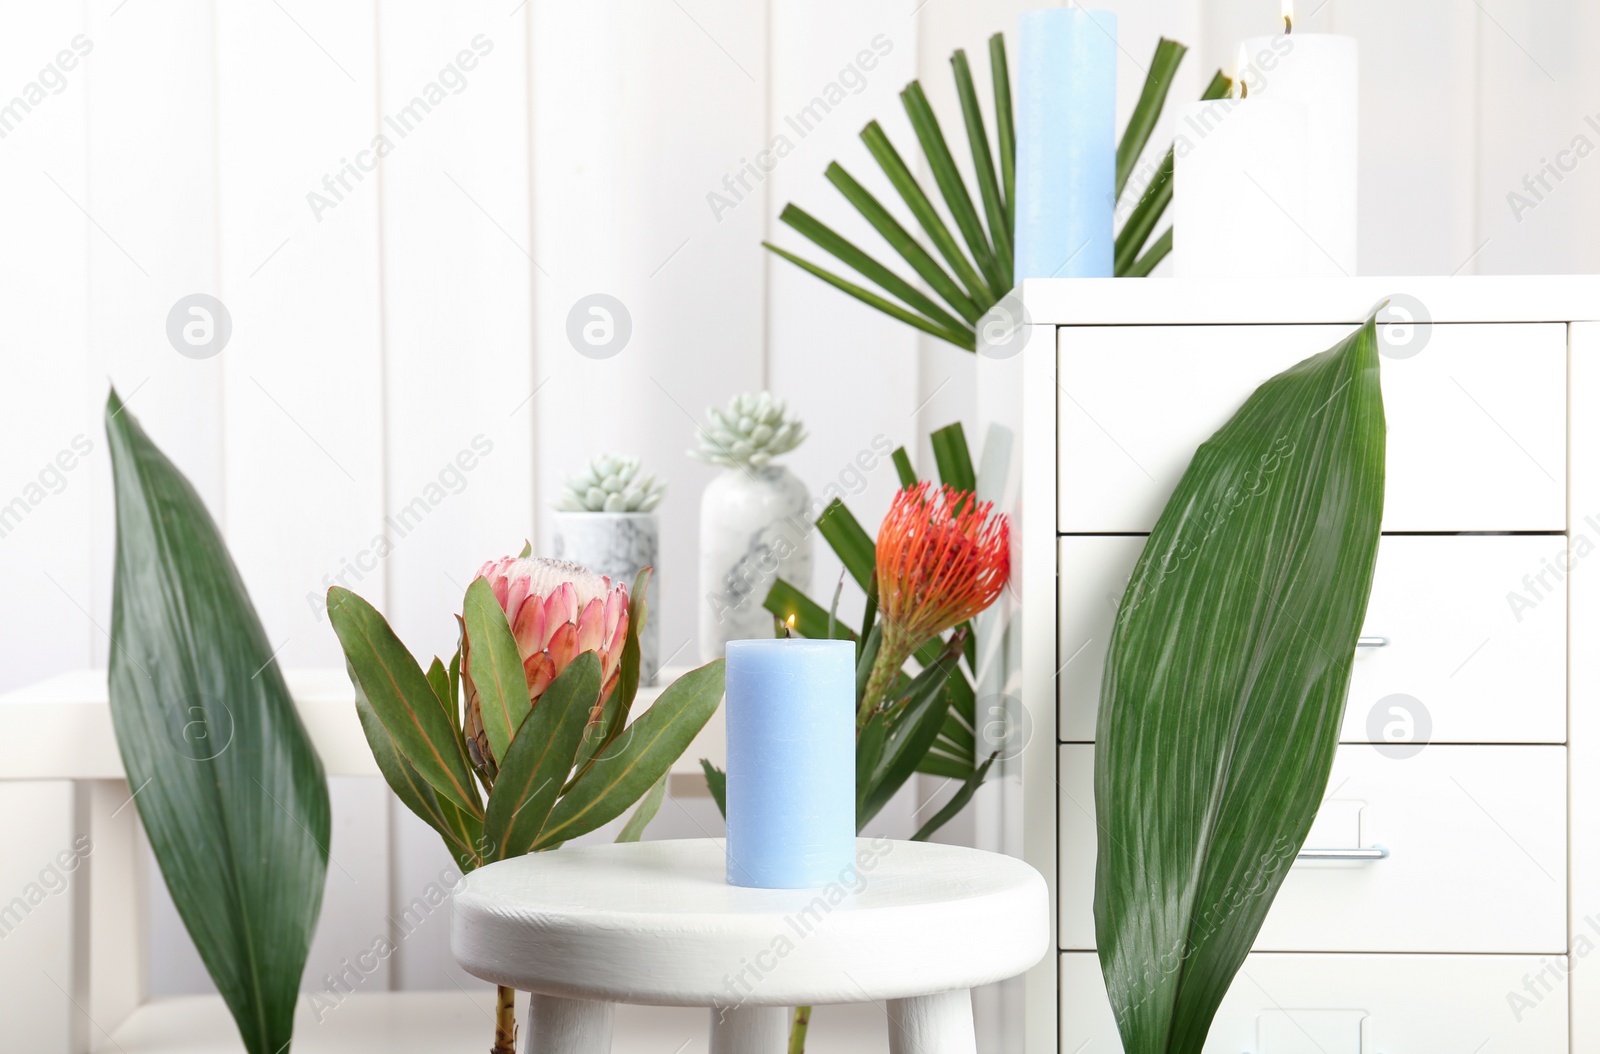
<point x="791" y="762"/>
<point x="1066" y="143"/>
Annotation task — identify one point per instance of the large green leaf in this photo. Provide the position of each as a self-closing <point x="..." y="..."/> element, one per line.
<point x="401" y="696"/>
<point x="495" y="666"/>
<point x="1224" y="687"/>
<point x="641" y="755"/>
<point x="227" y="784"/>
<point x="538" y="760"/>
<point x="459" y="831"/>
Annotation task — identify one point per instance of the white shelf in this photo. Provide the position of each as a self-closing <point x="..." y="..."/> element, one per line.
<point x="451" y="1022"/>
<point x="60" y="728"/>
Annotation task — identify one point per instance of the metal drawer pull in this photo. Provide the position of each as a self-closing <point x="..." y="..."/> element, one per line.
<point x="1377" y="852"/>
<point x="1372" y="642"/>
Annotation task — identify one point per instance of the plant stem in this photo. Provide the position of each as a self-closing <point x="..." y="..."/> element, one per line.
<point x="797" y="1034"/>
<point x="892" y="655"/>
<point x="505" y="1021"/>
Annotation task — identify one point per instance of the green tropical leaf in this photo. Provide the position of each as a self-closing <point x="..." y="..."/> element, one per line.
<point x="953" y="459"/>
<point x="413" y="791"/>
<point x="496" y="667"/>
<point x="994" y="206"/>
<point x="900" y="177"/>
<point x="912" y="730"/>
<point x="717" y="784"/>
<point x="1224" y="687"/>
<point x="850" y="541"/>
<point x="400" y="695"/>
<point x="1152" y="205"/>
<point x="540" y="756"/>
<point x="903" y="469"/>
<point x="948" y="178"/>
<point x="957" y="802"/>
<point x="869" y="752"/>
<point x="901" y="240"/>
<point x="965" y="338"/>
<point x="642" y="755"/>
<point x="1152" y="99"/>
<point x="227" y="784"/>
<point x="649" y="805"/>
<point x="439" y="681"/>
<point x="845" y="250"/>
<point x="1005" y="128"/>
<point x="1157" y="252"/>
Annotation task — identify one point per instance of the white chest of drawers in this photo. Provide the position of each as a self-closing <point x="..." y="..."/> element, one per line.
<point x="1463" y="813"/>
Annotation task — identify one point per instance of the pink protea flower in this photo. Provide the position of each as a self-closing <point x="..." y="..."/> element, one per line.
<point x="558" y="610"/>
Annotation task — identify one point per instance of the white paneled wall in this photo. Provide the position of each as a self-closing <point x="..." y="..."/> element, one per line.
<point x="403" y="205"/>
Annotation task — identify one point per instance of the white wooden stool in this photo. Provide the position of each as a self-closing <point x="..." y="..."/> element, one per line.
<point x="913" y="924"/>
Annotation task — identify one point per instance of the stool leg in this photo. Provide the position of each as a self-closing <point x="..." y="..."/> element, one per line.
<point x="566" y="1026"/>
<point x="749" y="1030"/>
<point x="932" y="1024"/>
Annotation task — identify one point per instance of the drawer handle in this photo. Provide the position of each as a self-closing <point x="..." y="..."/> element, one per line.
<point x="1377" y="852"/>
<point x="1372" y="642"/>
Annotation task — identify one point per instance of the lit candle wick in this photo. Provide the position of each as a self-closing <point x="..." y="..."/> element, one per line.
<point x="788" y="627"/>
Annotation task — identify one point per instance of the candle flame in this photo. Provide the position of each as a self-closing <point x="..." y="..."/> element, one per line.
<point x="1240" y="89"/>
<point x="788" y="627"/>
<point x="1288" y="16"/>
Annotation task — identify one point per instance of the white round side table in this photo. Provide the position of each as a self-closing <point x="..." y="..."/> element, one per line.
<point x="914" y="925"/>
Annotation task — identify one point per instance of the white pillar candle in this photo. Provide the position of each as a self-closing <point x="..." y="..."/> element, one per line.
<point x="1317" y="70"/>
<point x="1239" y="190"/>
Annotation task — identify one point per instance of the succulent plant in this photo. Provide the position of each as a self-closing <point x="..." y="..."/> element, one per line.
<point x="610" y="483"/>
<point x="754" y="429"/>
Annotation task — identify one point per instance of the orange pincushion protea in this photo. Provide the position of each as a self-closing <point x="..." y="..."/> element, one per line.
<point x="943" y="557"/>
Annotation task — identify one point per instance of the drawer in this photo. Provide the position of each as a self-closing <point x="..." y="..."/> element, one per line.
<point x="1477" y="419"/>
<point x="1476" y="631"/>
<point x="1355" y="1004"/>
<point x="1477" y="855"/>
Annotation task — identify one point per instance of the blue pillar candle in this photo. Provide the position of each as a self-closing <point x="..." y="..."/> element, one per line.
<point x="1066" y="143"/>
<point x="791" y="762"/>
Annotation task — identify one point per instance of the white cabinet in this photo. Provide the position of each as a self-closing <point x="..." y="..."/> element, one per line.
<point x="1477" y="419"/>
<point x="1472" y="726"/>
<point x="1356" y="1004"/>
<point x="1476" y="837"/>
<point x="1465" y="639"/>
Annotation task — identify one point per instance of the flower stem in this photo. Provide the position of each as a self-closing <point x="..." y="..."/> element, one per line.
<point x="505" y="1021"/>
<point x="892" y="655"/>
<point x="797" y="1034"/>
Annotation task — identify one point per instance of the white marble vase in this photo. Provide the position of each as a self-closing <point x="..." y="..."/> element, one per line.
<point x="755" y="526"/>
<point x="618" y="545"/>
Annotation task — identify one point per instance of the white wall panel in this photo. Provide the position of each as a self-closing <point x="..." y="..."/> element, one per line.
<point x="152" y="185"/>
<point x="639" y="110"/>
<point x="44" y="505"/>
<point x="302" y="433"/>
<point x="849" y="371"/>
<point x="457" y="330"/>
